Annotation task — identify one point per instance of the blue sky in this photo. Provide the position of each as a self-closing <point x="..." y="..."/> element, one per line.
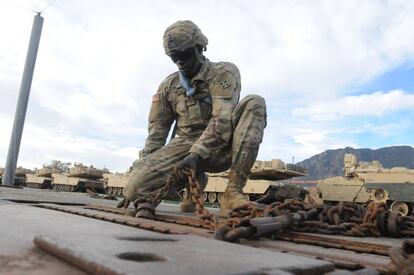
<point x="400" y="128"/>
<point x="333" y="73"/>
<point x="398" y="78"/>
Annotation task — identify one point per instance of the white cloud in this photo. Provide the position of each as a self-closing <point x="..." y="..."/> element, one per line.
<point x="47" y="145"/>
<point x="99" y="62"/>
<point x="287" y="138"/>
<point x="375" y="104"/>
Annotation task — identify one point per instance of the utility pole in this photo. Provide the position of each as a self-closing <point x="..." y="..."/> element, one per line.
<point x="20" y="115"/>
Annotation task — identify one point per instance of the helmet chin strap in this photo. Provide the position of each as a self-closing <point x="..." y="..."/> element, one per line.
<point x="200" y="56"/>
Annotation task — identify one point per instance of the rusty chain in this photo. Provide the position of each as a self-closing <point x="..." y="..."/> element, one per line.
<point x="348" y="219"/>
<point x="198" y="200"/>
<point x="257" y="220"/>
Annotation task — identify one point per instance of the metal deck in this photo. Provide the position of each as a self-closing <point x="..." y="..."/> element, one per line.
<point x="91" y="235"/>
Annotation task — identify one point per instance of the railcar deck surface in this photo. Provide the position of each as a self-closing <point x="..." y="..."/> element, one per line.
<point x="49" y="232"/>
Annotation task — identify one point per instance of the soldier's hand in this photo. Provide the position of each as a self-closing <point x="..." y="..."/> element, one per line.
<point x="189" y="163"/>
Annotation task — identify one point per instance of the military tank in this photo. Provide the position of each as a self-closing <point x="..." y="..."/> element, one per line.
<point x="370" y="181"/>
<point x="114" y="183"/>
<point x="79" y="178"/>
<point x="264" y="174"/>
<point x="42" y="178"/>
<point x="19" y="176"/>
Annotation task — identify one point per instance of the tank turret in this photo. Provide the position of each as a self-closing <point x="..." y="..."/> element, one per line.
<point x="47" y="171"/>
<point x="263" y="175"/>
<point x="86" y="172"/>
<point x="79" y="178"/>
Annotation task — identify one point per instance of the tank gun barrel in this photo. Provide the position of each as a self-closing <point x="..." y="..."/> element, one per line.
<point x="272" y="170"/>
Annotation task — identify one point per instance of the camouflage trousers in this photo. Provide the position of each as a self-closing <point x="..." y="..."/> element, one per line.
<point x="249" y="120"/>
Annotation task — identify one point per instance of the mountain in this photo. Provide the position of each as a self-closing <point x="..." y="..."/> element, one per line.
<point x="330" y="163"/>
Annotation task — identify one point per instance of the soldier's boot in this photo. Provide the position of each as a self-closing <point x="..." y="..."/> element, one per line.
<point x="233" y="197"/>
<point x="187" y="205"/>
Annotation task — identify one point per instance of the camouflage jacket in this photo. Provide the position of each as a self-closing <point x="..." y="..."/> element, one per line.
<point x="206" y="116"/>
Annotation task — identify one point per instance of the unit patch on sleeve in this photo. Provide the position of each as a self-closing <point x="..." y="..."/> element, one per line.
<point x="224" y="83"/>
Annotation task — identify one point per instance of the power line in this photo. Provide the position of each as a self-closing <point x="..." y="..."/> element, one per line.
<point x="29" y="9"/>
<point x="20" y="35"/>
<point x="48" y="5"/>
<point x="18" y="6"/>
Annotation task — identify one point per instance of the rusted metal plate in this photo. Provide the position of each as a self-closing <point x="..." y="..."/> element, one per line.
<point x="384" y="241"/>
<point x="160" y="216"/>
<point x="187" y="254"/>
<point x="119" y="219"/>
<point x="332" y="242"/>
<point x="131" y="250"/>
<point x="341" y="258"/>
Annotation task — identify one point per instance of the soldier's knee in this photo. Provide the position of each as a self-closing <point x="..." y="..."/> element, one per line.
<point x="254" y="102"/>
<point x="255" y="105"/>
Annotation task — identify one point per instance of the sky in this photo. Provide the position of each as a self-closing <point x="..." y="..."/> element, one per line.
<point x="333" y="73"/>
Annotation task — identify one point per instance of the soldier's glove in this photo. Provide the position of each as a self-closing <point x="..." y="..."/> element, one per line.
<point x="189" y="163"/>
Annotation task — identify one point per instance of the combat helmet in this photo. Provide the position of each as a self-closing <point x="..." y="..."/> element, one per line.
<point x="183" y="35"/>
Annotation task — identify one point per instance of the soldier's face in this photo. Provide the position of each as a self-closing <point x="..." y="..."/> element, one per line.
<point x="187" y="61"/>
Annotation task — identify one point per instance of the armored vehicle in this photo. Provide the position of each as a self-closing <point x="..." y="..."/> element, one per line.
<point x="42" y="178"/>
<point x="115" y="183"/>
<point x="263" y="176"/>
<point x="38" y="182"/>
<point x="370" y="181"/>
<point x="79" y="178"/>
<point x="83" y="171"/>
<point x="19" y="176"/>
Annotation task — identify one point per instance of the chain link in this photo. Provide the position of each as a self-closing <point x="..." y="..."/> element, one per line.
<point x="198" y="200"/>
<point x="257" y="220"/>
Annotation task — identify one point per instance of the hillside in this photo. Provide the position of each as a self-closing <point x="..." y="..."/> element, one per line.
<point x="330" y="162"/>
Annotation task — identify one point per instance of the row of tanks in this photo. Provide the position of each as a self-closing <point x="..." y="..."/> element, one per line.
<point x="60" y="177"/>
<point x="264" y="175"/>
<point x="77" y="178"/>
<point x="370" y="181"/>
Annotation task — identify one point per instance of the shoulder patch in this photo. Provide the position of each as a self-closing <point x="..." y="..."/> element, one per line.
<point x="156" y="98"/>
<point x="224" y="83"/>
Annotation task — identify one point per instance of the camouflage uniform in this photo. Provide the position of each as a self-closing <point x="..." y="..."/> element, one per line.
<point x="213" y="124"/>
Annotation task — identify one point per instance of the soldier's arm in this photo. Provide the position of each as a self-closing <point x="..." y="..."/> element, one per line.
<point x="160" y="120"/>
<point x="225" y="93"/>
